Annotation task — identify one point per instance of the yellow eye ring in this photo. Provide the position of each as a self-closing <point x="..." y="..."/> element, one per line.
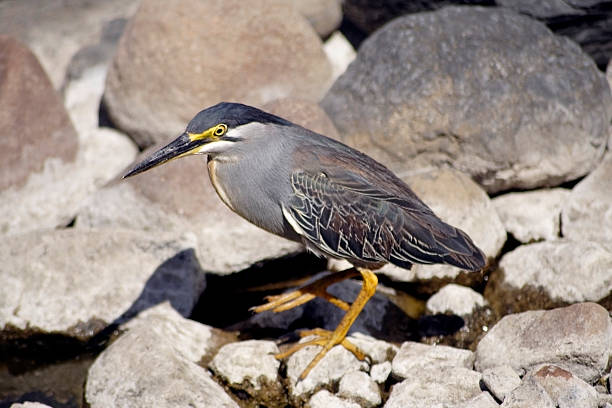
<point x="220" y="130"/>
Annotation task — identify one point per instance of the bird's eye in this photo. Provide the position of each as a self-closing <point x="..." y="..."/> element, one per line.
<point x="220" y="130"/>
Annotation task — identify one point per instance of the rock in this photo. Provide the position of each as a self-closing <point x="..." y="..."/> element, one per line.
<point x="250" y="366"/>
<point x="380" y="372"/>
<point x="609" y="78"/>
<point x="482" y="400"/>
<point x="359" y="387"/>
<point x="45" y="142"/>
<point x="412" y="357"/>
<point x="334" y="365"/>
<point x="270" y="52"/>
<point x="104" y="151"/>
<point x="304" y="113"/>
<point x="35" y="126"/>
<point x="460" y="202"/>
<point x="534" y="215"/>
<point x="75" y="283"/>
<point x="412" y="99"/>
<point x="548" y="274"/>
<point x="30" y="405"/>
<point x="165" y="199"/>
<point x="435" y="386"/>
<point x="577" y="338"/>
<point x="456" y="299"/>
<point x="197" y="342"/>
<point x="377" y="350"/>
<point x="84" y="83"/>
<point x="325" y="399"/>
<point x="324" y="15"/>
<point x="151" y="366"/>
<point x="587" y="213"/>
<point x="528" y="395"/>
<point x="340" y="53"/>
<point x="584" y="21"/>
<point x="45" y="177"/>
<point x="73" y="25"/>
<point x="500" y="380"/>
<point x="565" y="390"/>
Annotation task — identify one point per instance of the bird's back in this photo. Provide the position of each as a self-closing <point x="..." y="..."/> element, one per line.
<point x="359" y="210"/>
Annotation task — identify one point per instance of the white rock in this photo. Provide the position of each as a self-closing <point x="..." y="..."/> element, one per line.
<point x="587" y="214"/>
<point x="379" y="351"/>
<point x="571" y="271"/>
<point x="249" y="361"/>
<point x="147" y="366"/>
<point x="483" y="400"/>
<point x="77" y="282"/>
<point x="456" y="299"/>
<point x="528" y="395"/>
<point x="412" y="357"/>
<point x="359" y="387"/>
<point x="336" y="363"/>
<point x="29" y="404"/>
<point x="380" y="372"/>
<point x="435" y="386"/>
<point x="340" y="53"/>
<point x="501" y="380"/>
<point x="533" y="215"/>
<point x="324" y="399"/>
<point x="577" y="338"/>
<point x="192" y="340"/>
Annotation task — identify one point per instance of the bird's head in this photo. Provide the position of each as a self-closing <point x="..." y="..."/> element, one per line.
<point x="212" y="131"/>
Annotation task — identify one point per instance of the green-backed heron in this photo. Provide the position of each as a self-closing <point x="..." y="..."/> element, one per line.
<point x="309" y="188"/>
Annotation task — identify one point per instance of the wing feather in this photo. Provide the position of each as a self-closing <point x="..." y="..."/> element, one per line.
<point x="347" y="217"/>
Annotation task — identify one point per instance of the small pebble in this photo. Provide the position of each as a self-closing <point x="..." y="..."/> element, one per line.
<point x="380" y="372"/>
<point x="325" y="399"/>
<point x="359" y="387"/>
<point x="500" y="380"/>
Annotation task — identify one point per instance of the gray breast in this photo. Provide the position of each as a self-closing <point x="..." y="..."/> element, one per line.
<point x="253" y="179"/>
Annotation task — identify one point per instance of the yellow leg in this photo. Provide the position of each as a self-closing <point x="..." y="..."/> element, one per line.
<point x="286" y="301"/>
<point x="328" y="339"/>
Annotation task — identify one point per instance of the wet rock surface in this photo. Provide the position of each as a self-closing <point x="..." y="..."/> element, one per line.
<point x="137" y="292"/>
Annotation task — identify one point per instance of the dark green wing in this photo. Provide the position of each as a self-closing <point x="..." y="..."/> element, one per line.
<point x="346" y="216"/>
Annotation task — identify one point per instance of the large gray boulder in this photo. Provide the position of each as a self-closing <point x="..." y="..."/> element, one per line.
<point x="486" y="91"/>
<point x="176" y="58"/>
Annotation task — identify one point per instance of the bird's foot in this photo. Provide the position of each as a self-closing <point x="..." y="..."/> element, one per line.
<point x="318" y="288"/>
<point x="326" y="339"/>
